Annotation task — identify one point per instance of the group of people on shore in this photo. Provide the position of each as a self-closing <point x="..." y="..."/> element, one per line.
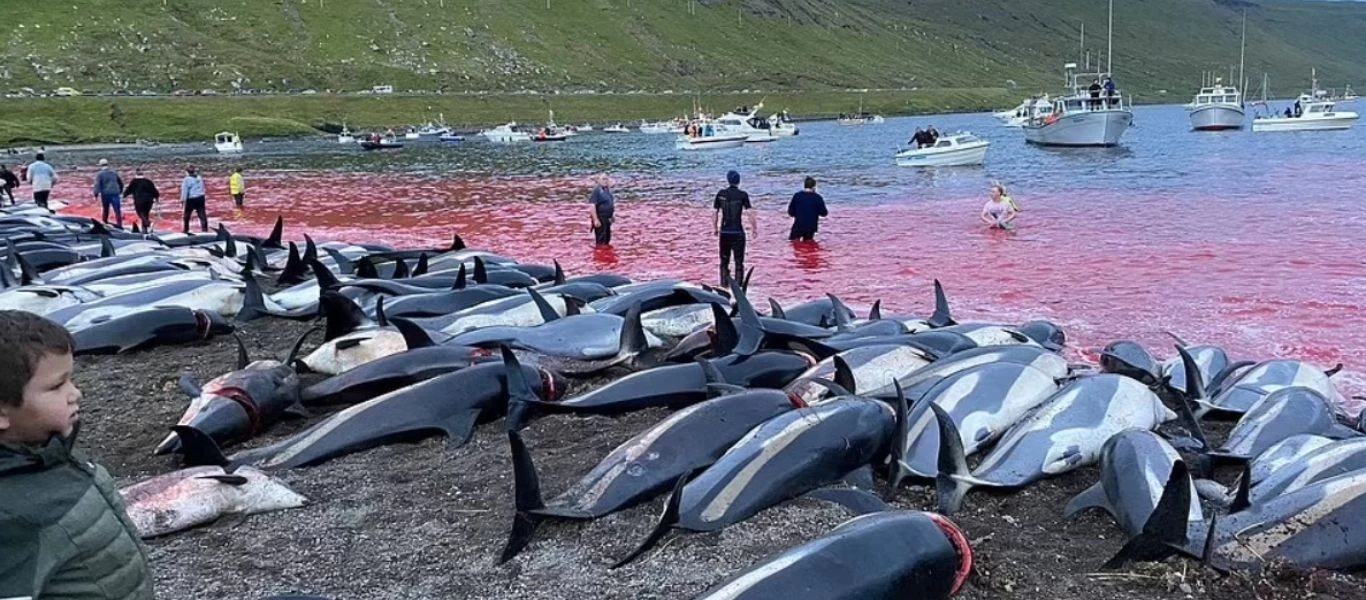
<point x="733" y="210"/>
<point x="111" y="190"/>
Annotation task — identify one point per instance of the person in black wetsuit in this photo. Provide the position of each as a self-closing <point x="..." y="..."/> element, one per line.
<point x="806" y="209"/>
<point x="730" y="207"/>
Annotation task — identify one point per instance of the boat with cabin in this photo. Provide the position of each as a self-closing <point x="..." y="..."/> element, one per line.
<point x="346" y="137"/>
<point x="1033" y="107"/>
<point x="952" y="150"/>
<point x="1218" y="107"/>
<point x="506" y="133"/>
<point x="227" y="143"/>
<point x="1094" y="115"/>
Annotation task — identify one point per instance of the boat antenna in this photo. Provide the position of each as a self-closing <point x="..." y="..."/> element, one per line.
<point x="1082" y="56"/>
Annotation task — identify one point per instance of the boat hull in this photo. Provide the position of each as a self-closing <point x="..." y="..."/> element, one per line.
<point x="1217" y="117"/>
<point x="1094" y="128"/>
<point x="960" y="156"/>
<point x="712" y="143"/>
<point x="1338" y="121"/>
<point x="228" y="148"/>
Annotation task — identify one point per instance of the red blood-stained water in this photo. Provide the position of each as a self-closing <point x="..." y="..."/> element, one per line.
<point x="1264" y="271"/>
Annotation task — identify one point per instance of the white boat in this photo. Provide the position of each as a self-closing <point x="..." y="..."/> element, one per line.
<point x="1034" y="107"/>
<point x="860" y="118"/>
<point x="506" y="134"/>
<point x="660" y="128"/>
<point x="227" y="143"/>
<point x="346" y="137"/>
<point x="585" y="128"/>
<point x="716" y="141"/>
<point x="618" y="128"/>
<point x="1080" y="118"/>
<point x="1217" y="108"/>
<point x="953" y="150"/>
<point x="450" y="138"/>
<point x="412" y="134"/>
<point x="1314" y="116"/>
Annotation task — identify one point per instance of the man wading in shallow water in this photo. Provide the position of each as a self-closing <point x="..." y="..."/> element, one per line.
<point x="730" y="205"/>
<point x="602" y="211"/>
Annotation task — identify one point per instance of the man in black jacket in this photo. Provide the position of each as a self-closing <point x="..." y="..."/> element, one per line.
<point x="8" y="182"/>
<point x="144" y="194"/>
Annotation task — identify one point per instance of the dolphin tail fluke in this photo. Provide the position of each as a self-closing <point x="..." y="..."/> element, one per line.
<point x="423" y="265"/>
<point x="955" y="479"/>
<point x="413" y="334"/>
<point x="666" y="522"/>
<point x="1167" y="529"/>
<point x="253" y="300"/>
<point x="527" y="496"/>
<point x="198" y="449"/>
<point x="295" y="269"/>
<point x="942" y="317"/>
<point x="277" y="234"/>
<point x="548" y="313"/>
<point x="727" y="337"/>
<point x="775" y="310"/>
<point x="1092" y="497"/>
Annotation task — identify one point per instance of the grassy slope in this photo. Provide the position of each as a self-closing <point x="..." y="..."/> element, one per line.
<point x="656" y="45"/>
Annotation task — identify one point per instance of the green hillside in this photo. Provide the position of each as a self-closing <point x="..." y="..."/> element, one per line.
<point x="1008" y="47"/>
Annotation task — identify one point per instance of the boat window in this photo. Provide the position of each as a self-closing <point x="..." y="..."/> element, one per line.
<point x="943" y="144"/>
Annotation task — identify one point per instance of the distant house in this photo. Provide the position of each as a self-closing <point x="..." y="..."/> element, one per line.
<point x="66" y="91"/>
<point x="383" y="89"/>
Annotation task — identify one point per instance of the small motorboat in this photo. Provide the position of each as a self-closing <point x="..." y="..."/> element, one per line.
<point x="227" y="143"/>
<point x="550" y="136"/>
<point x="953" y="150"/>
<point x="506" y="134"/>
<point x="718" y="141"/>
<point x="1314" y="116"/>
<point x="585" y="128"/>
<point x="379" y="143"/>
<point x="412" y="135"/>
<point x="451" y="138"/>
<point x="618" y="128"/>
<point x="345" y="137"/>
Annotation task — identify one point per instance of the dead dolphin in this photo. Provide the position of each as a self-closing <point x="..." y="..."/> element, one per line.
<point x="1277" y="416"/>
<point x="643" y="466"/>
<point x="191" y="497"/>
<point x="1131" y="360"/>
<point x="150" y="327"/>
<point x="865" y="371"/>
<point x="392" y="372"/>
<point x="893" y="555"/>
<point x="1135" y="465"/>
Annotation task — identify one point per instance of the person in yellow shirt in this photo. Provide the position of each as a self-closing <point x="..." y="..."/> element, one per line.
<point x="237" y="187"/>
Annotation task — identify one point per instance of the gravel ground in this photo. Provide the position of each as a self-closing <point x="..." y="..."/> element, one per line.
<point x="426" y="521"/>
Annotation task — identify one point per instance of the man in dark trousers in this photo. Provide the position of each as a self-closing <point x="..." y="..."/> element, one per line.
<point x="730" y="208"/>
<point x="8" y="183"/>
<point x="806" y="209"/>
<point x="144" y="194"/>
<point x="603" y="211"/>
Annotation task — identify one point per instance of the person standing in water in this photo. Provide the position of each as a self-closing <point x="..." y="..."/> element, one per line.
<point x="806" y="209"/>
<point x="8" y="183"/>
<point x="192" y="195"/>
<point x="237" y="187"/>
<point x="1000" y="211"/>
<point x="603" y="210"/>
<point x="42" y="177"/>
<point x="730" y="205"/>
<point x="144" y="194"/>
<point x="109" y="189"/>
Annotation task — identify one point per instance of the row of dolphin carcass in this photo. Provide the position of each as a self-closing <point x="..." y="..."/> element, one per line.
<point x="757" y="423"/>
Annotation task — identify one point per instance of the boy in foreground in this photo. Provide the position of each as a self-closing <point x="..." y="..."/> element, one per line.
<point x="64" y="533"/>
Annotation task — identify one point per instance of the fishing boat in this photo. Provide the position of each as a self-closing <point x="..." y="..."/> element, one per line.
<point x="450" y="138"/>
<point x="618" y="128"/>
<point x="662" y="127"/>
<point x="1312" y="111"/>
<point x="953" y="150"/>
<point x="547" y="135"/>
<point x="1039" y="106"/>
<point x="345" y="137"/>
<point x="585" y="128"/>
<point x="1084" y="117"/>
<point x="412" y="134"/>
<point x="506" y="134"/>
<point x="381" y="143"/>
<point x="713" y="137"/>
<point x="1219" y="107"/>
<point x="862" y="117"/>
<point x="227" y="143"/>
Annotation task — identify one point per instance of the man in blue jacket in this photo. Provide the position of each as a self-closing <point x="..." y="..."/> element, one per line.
<point x="806" y="209"/>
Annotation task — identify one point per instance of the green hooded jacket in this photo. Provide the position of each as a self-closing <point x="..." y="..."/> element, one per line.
<point x="64" y="532"/>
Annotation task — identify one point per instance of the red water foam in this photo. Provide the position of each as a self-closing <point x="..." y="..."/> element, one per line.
<point x="1260" y="277"/>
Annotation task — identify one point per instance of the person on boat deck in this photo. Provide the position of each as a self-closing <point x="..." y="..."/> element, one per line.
<point x="730" y="205"/>
<point x="918" y="139"/>
<point x="999" y="213"/>
<point x="1110" y="90"/>
<point x="708" y="132"/>
<point x="806" y="209"/>
<point x="1299" y="110"/>
<point x="604" y="206"/>
<point x="1095" y="93"/>
<point x="932" y="134"/>
<point x="1288" y="114"/>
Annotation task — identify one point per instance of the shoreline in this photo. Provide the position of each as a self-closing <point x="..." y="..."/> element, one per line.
<point x="85" y="120"/>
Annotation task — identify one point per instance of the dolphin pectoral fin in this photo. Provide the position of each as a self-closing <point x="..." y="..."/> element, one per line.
<point x="666" y="522"/>
<point x="527" y="497"/>
<point x="226" y="479"/>
<point x="1167" y="529"/>
<point x="1092" y="497"/>
<point x="954" y="480"/>
<point x="844" y="375"/>
<point x="198" y="449"/>
<point x="896" y="465"/>
<point x="856" y="501"/>
<point x="1333" y="371"/>
<point x="189" y="386"/>
<point x="459" y="427"/>
<point x="861" y="478"/>
<point x="298" y="411"/>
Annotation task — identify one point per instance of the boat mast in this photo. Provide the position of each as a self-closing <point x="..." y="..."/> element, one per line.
<point x="1242" y="54"/>
<point x="1110" y="43"/>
